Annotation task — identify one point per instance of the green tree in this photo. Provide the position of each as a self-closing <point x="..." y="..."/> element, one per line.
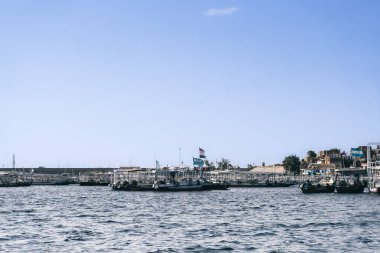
<point x="347" y="162"/>
<point x="224" y="164"/>
<point x="292" y="164"/>
<point x="311" y="154"/>
<point x="209" y="164"/>
<point x="250" y="166"/>
<point x="334" y="151"/>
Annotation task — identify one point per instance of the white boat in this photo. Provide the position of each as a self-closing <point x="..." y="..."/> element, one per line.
<point x="374" y="177"/>
<point x="373" y="171"/>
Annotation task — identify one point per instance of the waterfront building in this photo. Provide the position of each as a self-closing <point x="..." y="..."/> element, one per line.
<point x="351" y="171"/>
<point x="315" y="169"/>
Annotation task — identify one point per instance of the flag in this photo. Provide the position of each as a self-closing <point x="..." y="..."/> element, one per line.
<point x="201" y="153"/>
<point x="357" y="152"/>
<point x="198" y="162"/>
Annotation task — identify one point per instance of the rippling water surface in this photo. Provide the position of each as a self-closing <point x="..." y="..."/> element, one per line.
<point x="78" y="218"/>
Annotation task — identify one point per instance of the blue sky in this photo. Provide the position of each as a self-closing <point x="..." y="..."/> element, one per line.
<point x="112" y="83"/>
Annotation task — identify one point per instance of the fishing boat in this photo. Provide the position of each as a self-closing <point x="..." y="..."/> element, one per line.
<point x="12" y="179"/>
<point x="94" y="179"/>
<point x="243" y="183"/>
<point x="186" y="184"/>
<point x="172" y="184"/>
<point x="51" y="179"/>
<point x="213" y="184"/>
<point x="349" y="186"/>
<point x="325" y="185"/>
<point x="133" y="186"/>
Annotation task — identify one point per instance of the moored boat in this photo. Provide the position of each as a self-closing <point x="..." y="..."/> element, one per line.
<point x="13" y="179"/>
<point x="325" y="185"/>
<point x="374" y="187"/>
<point x="186" y="184"/>
<point x="346" y="186"/>
<point x="94" y="179"/>
<point x="133" y="186"/>
<point x="15" y="184"/>
<point x="213" y="185"/>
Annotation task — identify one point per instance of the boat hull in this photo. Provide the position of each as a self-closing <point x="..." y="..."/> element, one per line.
<point x="94" y="183"/>
<point x="346" y="187"/>
<point x="179" y="188"/>
<point x="267" y="184"/>
<point x="208" y="187"/>
<point x="374" y="190"/>
<point x="350" y="189"/>
<point x="312" y="188"/>
<point x="139" y="187"/>
<point x="18" y="184"/>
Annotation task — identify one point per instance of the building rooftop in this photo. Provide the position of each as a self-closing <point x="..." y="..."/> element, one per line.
<point x="268" y="170"/>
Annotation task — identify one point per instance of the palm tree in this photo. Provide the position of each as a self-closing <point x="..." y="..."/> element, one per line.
<point x="224" y="164"/>
<point x="209" y="165"/>
<point x="251" y="166"/>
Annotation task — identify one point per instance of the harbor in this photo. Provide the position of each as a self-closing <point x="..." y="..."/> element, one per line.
<point x="190" y="126"/>
<point x="325" y="173"/>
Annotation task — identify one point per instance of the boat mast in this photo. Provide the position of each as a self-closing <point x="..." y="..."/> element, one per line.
<point x="368" y="161"/>
<point x="14" y="162"/>
<point x="180" y="158"/>
<point x="156" y="172"/>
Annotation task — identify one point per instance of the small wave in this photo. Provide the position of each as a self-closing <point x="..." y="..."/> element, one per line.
<point x="223" y="224"/>
<point x="23" y="211"/>
<point x="311" y="224"/>
<point x="199" y="248"/>
<point x="80" y="235"/>
<point x="109" y="222"/>
<point x="265" y="234"/>
<point x="125" y="230"/>
<point x="364" y="239"/>
<point x="85" y="215"/>
<point x="163" y="250"/>
<point x="324" y="224"/>
<point x="249" y="248"/>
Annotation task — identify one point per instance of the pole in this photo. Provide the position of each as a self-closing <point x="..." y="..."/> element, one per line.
<point x="14" y="161"/>
<point x="180" y="151"/>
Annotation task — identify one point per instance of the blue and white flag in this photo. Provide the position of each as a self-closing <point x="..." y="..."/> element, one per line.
<point x="357" y="152"/>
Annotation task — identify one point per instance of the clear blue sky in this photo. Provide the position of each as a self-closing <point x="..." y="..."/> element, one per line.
<point x="112" y="83"/>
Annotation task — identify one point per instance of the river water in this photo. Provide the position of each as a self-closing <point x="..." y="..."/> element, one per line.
<point x="97" y="219"/>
